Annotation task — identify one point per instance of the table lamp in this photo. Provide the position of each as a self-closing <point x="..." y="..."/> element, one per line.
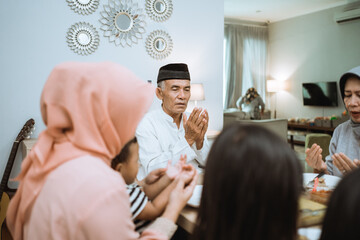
<point x="197" y="92"/>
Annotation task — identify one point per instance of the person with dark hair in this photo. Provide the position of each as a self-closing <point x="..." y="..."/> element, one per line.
<point x="241" y="200"/>
<point x="252" y="102"/>
<point x="343" y="211"/>
<point x="144" y="211"/>
<point x="169" y="132"/>
<point x="67" y="188"/>
<point x="344" y="146"/>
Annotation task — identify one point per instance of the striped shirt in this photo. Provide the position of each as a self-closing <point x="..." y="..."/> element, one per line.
<point x="138" y="201"/>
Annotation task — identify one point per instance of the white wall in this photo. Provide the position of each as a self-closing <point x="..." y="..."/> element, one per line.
<point x="311" y="48"/>
<point x="32" y="42"/>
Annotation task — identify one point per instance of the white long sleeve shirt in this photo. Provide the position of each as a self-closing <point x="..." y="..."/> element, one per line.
<point x="160" y="140"/>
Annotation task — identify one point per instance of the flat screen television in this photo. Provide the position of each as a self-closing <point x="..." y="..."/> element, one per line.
<point x="320" y="94"/>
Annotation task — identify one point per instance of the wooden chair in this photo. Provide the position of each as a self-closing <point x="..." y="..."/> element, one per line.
<point x="321" y="139"/>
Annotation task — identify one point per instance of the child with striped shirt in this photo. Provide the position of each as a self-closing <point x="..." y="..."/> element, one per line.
<point x="143" y="210"/>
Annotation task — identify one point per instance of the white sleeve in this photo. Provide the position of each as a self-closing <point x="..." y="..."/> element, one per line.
<point x="201" y="154"/>
<point x="152" y="156"/>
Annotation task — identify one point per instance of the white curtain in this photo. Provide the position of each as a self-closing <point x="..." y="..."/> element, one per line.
<point x="245" y="55"/>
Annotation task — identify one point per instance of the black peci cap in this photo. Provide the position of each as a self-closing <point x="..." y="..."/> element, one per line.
<point x="173" y="71"/>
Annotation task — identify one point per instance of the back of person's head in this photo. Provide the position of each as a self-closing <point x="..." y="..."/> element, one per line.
<point x="252" y="184"/>
<point x="123" y="156"/>
<point x="343" y="212"/>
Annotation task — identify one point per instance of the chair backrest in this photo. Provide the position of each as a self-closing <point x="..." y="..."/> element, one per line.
<point x="278" y="126"/>
<point x="321" y="139"/>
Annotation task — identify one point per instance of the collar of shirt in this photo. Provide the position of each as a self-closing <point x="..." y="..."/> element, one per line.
<point x="170" y="120"/>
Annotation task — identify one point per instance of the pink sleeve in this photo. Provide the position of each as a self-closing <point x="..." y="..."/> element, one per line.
<point x="150" y="234"/>
<point x="109" y="217"/>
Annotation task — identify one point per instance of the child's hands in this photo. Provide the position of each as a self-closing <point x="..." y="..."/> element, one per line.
<point x="154" y="176"/>
<point x="179" y="197"/>
<point x="182" y="170"/>
<point x="188" y="173"/>
<point x="174" y="170"/>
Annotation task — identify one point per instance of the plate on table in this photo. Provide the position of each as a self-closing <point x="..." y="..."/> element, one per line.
<point x="310" y="233"/>
<point x="194" y="201"/>
<point x="326" y="186"/>
<point x="329" y="184"/>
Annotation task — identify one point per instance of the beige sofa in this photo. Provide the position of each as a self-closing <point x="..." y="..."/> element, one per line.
<point x="278" y="126"/>
<point x="232" y="114"/>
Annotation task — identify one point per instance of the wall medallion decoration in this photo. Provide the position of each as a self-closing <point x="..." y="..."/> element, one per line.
<point x="83" y="38"/>
<point x="159" y="44"/>
<point x="159" y="10"/>
<point x="123" y="22"/>
<point x="83" y="7"/>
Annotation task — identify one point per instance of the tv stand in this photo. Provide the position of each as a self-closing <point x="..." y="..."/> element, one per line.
<point x="296" y="129"/>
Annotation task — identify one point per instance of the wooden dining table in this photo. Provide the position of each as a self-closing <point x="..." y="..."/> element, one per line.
<point x="311" y="213"/>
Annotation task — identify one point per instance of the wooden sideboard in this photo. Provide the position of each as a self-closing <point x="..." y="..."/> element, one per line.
<point x="308" y="128"/>
<point x="295" y="129"/>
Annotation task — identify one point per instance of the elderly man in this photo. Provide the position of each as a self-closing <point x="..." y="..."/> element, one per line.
<point x="167" y="133"/>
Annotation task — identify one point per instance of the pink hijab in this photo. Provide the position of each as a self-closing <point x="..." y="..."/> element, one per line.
<point x="89" y="109"/>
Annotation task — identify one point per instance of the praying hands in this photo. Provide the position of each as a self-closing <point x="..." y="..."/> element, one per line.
<point x="196" y="126"/>
<point x="181" y="170"/>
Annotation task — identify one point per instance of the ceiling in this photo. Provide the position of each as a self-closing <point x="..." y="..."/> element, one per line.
<point x="275" y="10"/>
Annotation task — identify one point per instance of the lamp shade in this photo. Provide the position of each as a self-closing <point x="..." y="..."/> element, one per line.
<point x="274" y="85"/>
<point x="197" y="92"/>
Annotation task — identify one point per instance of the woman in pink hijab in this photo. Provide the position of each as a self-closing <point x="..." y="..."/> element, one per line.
<point x="67" y="188"/>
